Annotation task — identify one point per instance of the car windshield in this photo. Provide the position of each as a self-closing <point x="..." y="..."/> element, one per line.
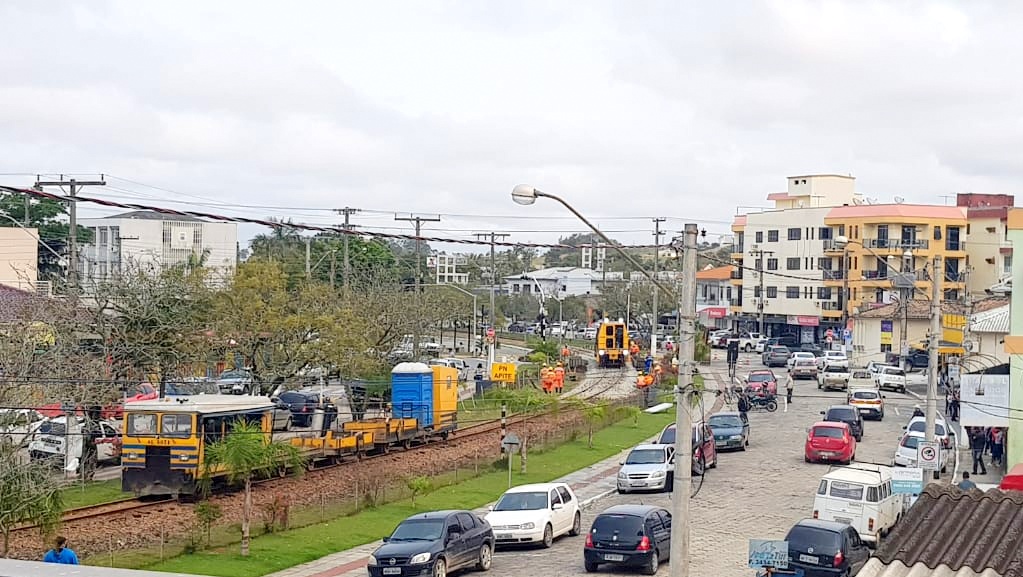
<point x="805" y="362"/>
<point x="911" y="441"/>
<point x="621" y="524"/>
<point x="233" y="375"/>
<point x="522" y="501"/>
<point x="834" y="369"/>
<point x="668" y="436"/>
<point x="779" y="350"/>
<point x="920" y="426"/>
<point x="841" y="415"/>
<point x="803" y="538"/>
<point x="419" y="530"/>
<point x="895" y="372"/>
<point x="645" y="457"/>
<point x="725" y="421"/>
<point x="760" y="378"/>
<point x="865" y="395"/>
<point x="829" y="432"/>
<point x="846" y="490"/>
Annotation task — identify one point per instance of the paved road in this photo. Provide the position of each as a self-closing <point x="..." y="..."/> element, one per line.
<point x="759" y="493"/>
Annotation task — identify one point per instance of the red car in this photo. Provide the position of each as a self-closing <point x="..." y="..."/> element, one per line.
<point x="758" y="379"/>
<point x="829" y="441"/>
<point x="705" y="454"/>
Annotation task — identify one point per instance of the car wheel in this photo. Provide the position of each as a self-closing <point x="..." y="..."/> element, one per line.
<point x="486" y="558"/>
<point x="590" y="567"/>
<point x="440" y="568"/>
<point x="577" y="525"/>
<point x="715" y="465"/>
<point x="748" y="348"/>
<point x="651" y="567"/>
<point x="288" y="424"/>
<point x="806" y="459"/>
<point x="548" y="536"/>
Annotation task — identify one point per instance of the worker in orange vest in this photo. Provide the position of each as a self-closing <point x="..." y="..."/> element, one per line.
<point x="559" y="378"/>
<point x="648" y="380"/>
<point x="547" y="379"/>
<point x="657" y="373"/>
<point x="640" y="380"/>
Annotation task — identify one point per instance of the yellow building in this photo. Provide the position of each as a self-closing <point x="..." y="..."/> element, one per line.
<point x="880" y="237"/>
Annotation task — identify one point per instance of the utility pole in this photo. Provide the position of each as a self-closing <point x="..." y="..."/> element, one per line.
<point x="417" y="329"/>
<point x="759" y="253"/>
<point x="347" y="212"/>
<point x="683" y="406"/>
<point x="937" y="273"/>
<point x="657" y="241"/>
<point x="74" y="185"/>
<point x="845" y="287"/>
<point x="308" y="265"/>
<point x="907" y="287"/>
<point x="493" y="288"/>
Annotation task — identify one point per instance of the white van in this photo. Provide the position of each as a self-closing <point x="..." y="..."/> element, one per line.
<point x="859" y="495"/>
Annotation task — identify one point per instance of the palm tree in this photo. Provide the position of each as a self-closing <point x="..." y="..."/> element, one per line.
<point x="246" y="452"/>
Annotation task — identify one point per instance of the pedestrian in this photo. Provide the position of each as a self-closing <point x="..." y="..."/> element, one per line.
<point x="559" y="378"/>
<point x="789" y="385"/>
<point x="955" y="405"/>
<point x="978" y="440"/>
<point x="997" y="445"/>
<point x="649" y="364"/>
<point x="61" y="554"/>
<point x="478" y="375"/>
<point x="966" y="484"/>
<point x="743" y="407"/>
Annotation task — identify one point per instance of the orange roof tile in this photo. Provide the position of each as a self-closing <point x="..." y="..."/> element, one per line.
<point x="739" y="221"/>
<point x="898" y="210"/>
<point x="716" y="273"/>
<point x="778" y="196"/>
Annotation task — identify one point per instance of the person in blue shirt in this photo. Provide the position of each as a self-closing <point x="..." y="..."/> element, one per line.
<point x="966" y="484"/>
<point x="649" y="363"/>
<point x="61" y="554"/>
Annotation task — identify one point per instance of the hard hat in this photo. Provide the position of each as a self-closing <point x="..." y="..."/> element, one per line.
<point x="561" y="364"/>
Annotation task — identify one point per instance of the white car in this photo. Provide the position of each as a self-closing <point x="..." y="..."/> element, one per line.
<point x="590" y="333"/>
<point x="51" y="435"/>
<point x="18" y="425"/>
<point x="761" y="345"/>
<point x="535" y="514"/>
<point x="906" y="452"/>
<point x="942" y="432"/>
<point x="892" y="378"/>
<point x="832" y="358"/>
<point x="648" y="467"/>
<point x="796" y="356"/>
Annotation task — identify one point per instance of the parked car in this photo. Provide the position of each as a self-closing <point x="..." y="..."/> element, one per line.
<point x="813" y="349"/>
<point x="833" y="358"/>
<point x="892" y="378"/>
<point x="776" y="356"/>
<point x="834" y="376"/>
<point x="829" y="441"/>
<point x="52" y="436"/>
<point x="730" y="431"/>
<point x="435" y="543"/>
<point x="590" y="333"/>
<point x="859" y="495"/>
<point x="869" y="402"/>
<point x="705" y="455"/>
<point x="942" y="432"/>
<point x="790" y="341"/>
<point x="282" y="415"/>
<point x="236" y="382"/>
<point x="723" y="338"/>
<point x="906" y="453"/>
<point x="648" y="467"/>
<point x="18" y="425"/>
<point x="918" y="359"/>
<point x="804" y="368"/>
<point x="629" y="536"/>
<point x="847" y="414"/>
<point x="303" y="405"/>
<point x="537" y="513"/>
<point x="826" y="548"/>
<point x="794" y="355"/>
<point x="760" y="378"/>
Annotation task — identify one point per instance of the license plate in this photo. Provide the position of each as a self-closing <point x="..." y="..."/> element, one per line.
<point x="618" y="558"/>
<point x="864" y="410"/>
<point x="843" y="520"/>
<point x="392" y="570"/>
<point x="827" y="454"/>
<point x="810" y="559"/>
<point x="503" y="536"/>
<point x="638" y="483"/>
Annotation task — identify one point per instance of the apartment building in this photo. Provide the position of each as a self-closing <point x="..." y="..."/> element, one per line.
<point x="713" y="293"/>
<point x="446" y="268"/>
<point x="1014" y="343"/>
<point x="19" y="257"/>
<point x="988" y="250"/>
<point x="144" y="237"/>
<point x="884" y="239"/>
<point x="779" y="252"/>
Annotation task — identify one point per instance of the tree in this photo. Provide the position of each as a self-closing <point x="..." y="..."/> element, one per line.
<point x="245" y="453"/>
<point x="594" y="415"/>
<point x="30" y="494"/>
<point x="48" y="216"/>
<point x="418" y="486"/>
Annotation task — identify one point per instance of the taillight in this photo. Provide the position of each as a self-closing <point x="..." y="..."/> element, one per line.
<point x="815" y="514"/>
<point x="644" y="544"/>
<point x="589" y="540"/>
<point x="838" y="559"/>
<point x="870" y="524"/>
<point x="305" y="409"/>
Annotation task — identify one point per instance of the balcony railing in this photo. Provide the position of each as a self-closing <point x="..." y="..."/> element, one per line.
<point x="832" y="245"/>
<point x="735" y="302"/>
<point x="896" y="244"/>
<point x="957" y="245"/>
<point x="834" y="274"/>
<point x="737" y="274"/>
<point x="830" y="306"/>
<point x="875" y="274"/>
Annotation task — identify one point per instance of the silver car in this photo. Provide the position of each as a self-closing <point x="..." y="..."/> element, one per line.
<point x="648" y="467"/>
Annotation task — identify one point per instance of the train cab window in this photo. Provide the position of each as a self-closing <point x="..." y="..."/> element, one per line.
<point x="213" y="429"/>
<point x="141" y="424"/>
<point x="179" y="426"/>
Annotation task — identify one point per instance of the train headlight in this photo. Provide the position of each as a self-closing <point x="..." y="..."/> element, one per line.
<point x="601" y="352"/>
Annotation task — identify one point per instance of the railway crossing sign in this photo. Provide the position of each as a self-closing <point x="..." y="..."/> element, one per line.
<point x="927" y="456"/>
<point x="503" y="372"/>
<point x="490" y="333"/>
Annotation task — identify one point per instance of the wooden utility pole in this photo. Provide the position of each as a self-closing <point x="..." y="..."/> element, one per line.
<point x="417" y="328"/>
<point x="74" y="186"/>
<point x="657" y="247"/>
<point x="493" y="286"/>
<point x="347" y="212"/>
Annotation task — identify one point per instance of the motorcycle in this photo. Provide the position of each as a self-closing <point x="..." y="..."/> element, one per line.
<point x="763" y="403"/>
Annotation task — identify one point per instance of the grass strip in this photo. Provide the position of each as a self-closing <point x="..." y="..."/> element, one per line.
<point x="94" y="493"/>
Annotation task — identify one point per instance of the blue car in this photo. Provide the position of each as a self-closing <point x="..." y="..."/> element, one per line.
<point x="730" y="430"/>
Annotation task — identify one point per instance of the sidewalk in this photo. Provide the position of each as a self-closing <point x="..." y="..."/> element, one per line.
<point x="590" y="484"/>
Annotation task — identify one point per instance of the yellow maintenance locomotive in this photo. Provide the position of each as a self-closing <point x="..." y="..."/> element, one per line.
<point x="612" y="346"/>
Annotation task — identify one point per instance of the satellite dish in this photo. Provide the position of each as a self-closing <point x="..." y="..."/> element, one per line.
<point x="969" y="346"/>
<point x="857" y="201"/>
<point x="899" y="200"/>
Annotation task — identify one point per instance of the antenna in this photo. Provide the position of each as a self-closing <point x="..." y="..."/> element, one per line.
<point x="899" y="200"/>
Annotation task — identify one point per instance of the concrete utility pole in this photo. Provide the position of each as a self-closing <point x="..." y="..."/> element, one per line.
<point x="347" y="212"/>
<point x="937" y="274"/>
<point x="845" y="287"/>
<point x="417" y="328"/>
<point x="907" y="287"/>
<point x="759" y="253"/>
<point x="308" y="265"/>
<point x="683" y="417"/>
<point x="657" y="247"/>
<point x="493" y="288"/>
<point x="74" y="185"/>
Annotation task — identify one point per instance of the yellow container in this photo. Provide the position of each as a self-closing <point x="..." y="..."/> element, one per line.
<point x="445" y="396"/>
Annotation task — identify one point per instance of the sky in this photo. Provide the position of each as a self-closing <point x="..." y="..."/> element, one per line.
<point x="627" y="109"/>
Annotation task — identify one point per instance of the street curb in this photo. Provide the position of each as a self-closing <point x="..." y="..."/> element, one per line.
<point x="585" y="503"/>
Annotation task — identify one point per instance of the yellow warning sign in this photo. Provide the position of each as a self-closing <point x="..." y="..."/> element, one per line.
<point x="503" y="372"/>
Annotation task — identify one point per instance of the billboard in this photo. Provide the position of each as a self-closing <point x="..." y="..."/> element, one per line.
<point x="886" y="332"/>
<point x="984" y="400"/>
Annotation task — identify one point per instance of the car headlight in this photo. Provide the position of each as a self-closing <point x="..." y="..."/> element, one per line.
<point x="419" y="559"/>
<point x="622" y="475"/>
<point x="371" y="561"/>
<point x="735" y="437"/>
<point x="657" y="474"/>
<point x="528" y="526"/>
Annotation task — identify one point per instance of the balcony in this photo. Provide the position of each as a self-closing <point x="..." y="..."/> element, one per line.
<point x="875" y="274"/>
<point x="832" y="245"/>
<point x="896" y="244"/>
<point x="834" y="274"/>
<point x="737" y="274"/>
<point x="830" y="306"/>
<point x="955" y="246"/>
<point x="735" y="303"/>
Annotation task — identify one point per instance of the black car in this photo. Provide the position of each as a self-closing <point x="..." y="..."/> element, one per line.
<point x="826" y="548"/>
<point x="846" y="414"/>
<point x="435" y="544"/>
<point x="629" y="536"/>
<point x="303" y="405"/>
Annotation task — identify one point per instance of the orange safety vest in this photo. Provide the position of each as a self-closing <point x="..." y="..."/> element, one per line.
<point x="547" y="377"/>
<point x="648" y="380"/>
<point x="565" y="352"/>
<point x="640" y="381"/>
<point x="559" y="376"/>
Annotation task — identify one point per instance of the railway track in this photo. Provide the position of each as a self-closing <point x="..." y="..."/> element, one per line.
<point x="105" y="509"/>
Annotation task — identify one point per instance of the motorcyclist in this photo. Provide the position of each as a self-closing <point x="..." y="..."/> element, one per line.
<point x="917" y="411"/>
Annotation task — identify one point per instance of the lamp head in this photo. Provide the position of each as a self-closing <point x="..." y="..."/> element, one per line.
<point x="524" y="194"/>
<point x="842" y="240"/>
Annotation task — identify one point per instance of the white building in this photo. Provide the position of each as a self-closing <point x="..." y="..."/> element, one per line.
<point x="986" y="337"/>
<point x="445" y="268"/>
<point x="713" y="293"/>
<point x="144" y="237"/>
<point x="557" y="282"/>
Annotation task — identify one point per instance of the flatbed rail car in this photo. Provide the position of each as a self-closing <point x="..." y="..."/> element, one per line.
<point x="612" y="347"/>
<point x="18" y="568"/>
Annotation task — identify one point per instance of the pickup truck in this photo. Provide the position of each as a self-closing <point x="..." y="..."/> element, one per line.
<point x="834" y="376"/>
<point x="748" y="341"/>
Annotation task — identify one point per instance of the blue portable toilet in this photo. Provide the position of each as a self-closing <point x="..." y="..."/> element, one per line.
<point x="412" y="393"/>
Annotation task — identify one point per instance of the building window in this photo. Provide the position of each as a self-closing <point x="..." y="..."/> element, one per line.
<point x="772" y="264"/>
<point x="824" y="263"/>
<point x="824" y="293"/>
<point x="951" y="295"/>
<point x="166" y="234"/>
<point x="886" y="348"/>
<point x="756" y="291"/>
<point x="824" y="233"/>
<point x="795" y="233"/>
<point x="197" y="236"/>
<point x="1006" y="264"/>
<point x="808" y="292"/>
<point x="760" y="236"/>
<point x="104" y="236"/>
<point x="792" y="292"/>
<point x="772" y="236"/>
<point x="772" y="292"/>
<point x="792" y="263"/>
<point x="757" y="264"/>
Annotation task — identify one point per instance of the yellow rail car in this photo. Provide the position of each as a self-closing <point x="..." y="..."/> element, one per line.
<point x="164" y="440"/>
<point x="612" y="347"/>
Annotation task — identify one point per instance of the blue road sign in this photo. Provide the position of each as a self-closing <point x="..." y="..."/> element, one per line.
<point x="907" y="480"/>
<point x="767" y="553"/>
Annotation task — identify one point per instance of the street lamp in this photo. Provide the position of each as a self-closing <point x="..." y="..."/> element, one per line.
<point x="525" y="195"/>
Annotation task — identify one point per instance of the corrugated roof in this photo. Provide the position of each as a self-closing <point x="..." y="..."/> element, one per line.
<point x="716" y="273"/>
<point x="976" y="529"/>
<point x="898" y="210"/>
<point x="875" y="568"/>
<point x="921" y="309"/>
<point x="13" y="302"/>
<point x="991" y="321"/>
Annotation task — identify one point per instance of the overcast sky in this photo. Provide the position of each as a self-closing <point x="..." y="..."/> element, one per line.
<point x="627" y="109"/>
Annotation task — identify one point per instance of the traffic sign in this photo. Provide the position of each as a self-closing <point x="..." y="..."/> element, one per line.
<point x="767" y="553"/>
<point x="490" y="333"/>
<point x="907" y="480"/>
<point x="928" y="456"/>
<point x="503" y="372"/>
<point x="510" y="441"/>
